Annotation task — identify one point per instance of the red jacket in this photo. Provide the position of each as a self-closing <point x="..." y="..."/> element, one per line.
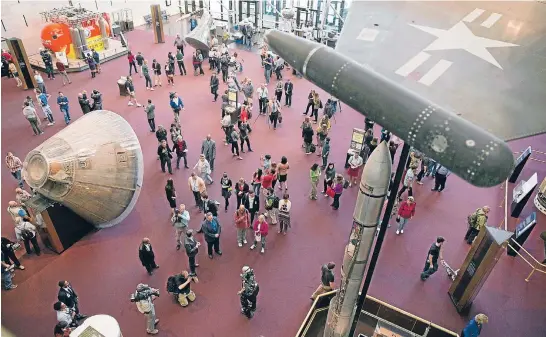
<point x="242" y="221"/>
<point x="267" y="180"/>
<point x="264" y="227"/>
<point x="406" y="210"/>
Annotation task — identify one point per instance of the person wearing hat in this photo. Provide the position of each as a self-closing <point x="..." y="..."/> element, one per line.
<point x="405" y="213"/>
<point x="192" y="248"/>
<point x="249" y="292"/>
<point x="435" y="252"/>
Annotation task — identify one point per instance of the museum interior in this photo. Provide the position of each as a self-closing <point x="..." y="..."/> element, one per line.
<point x="428" y="117"/>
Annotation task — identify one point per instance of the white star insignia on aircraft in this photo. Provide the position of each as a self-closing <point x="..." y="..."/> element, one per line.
<point x="461" y="37"/>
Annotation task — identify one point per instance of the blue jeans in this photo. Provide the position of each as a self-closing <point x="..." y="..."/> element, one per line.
<point x="6" y="280"/>
<point x="64" y="110"/>
<point x="267" y="74"/>
<point x="17" y="175"/>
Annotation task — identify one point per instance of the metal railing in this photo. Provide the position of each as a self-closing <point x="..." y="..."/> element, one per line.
<point x="533" y="263"/>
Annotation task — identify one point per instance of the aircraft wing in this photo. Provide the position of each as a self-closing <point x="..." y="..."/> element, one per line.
<point x="486" y="63"/>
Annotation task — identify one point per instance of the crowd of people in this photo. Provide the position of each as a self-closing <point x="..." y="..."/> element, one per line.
<point x="262" y="201"/>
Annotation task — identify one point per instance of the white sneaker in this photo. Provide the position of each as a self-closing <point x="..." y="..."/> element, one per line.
<point x="152" y="89"/>
<point x="49" y="124"/>
<point x="402" y="231"/>
<point x="240" y="244"/>
<point x="130" y="104"/>
<point x="397" y="232"/>
<point x="262" y="251"/>
<point x="244" y="241"/>
<point x="252" y="247"/>
<point x="139" y="105"/>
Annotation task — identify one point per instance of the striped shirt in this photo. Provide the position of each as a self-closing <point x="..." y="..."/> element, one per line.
<point x="14" y="164"/>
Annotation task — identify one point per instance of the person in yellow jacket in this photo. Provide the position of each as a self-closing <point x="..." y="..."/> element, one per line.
<point x="476" y="221"/>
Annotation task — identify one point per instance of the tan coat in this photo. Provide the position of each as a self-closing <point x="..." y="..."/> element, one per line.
<point x="200" y="184"/>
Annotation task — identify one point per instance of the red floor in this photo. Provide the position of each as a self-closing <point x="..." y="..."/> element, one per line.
<point x="104" y="267"/>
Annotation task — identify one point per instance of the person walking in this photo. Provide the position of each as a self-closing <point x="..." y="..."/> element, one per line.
<point x="211" y="229"/>
<point x="147" y="256"/>
<point x="214" y="83"/>
<point x="132" y="63"/>
<point x="191" y="245"/>
<point x="326" y="280"/>
<point x="181" y="149"/>
<point x="474" y="326"/>
<point x="164" y="153"/>
<point x="476" y="221"/>
<point x="170" y="192"/>
<point x="40" y="81"/>
<point x="208" y="149"/>
<point x="431" y="264"/>
<point x="32" y="117"/>
<point x="8" y="253"/>
<point x="282" y="172"/>
<point x="314" y="177"/>
<point x="130" y="87"/>
<point x="180" y="221"/>
<point x="261" y="229"/>
<point x="227" y="189"/>
<point x="15" y="165"/>
<point x="156" y="66"/>
<point x="325" y="152"/>
<point x="242" y="223"/>
<point x="440" y="178"/>
<point x="202" y="167"/>
<point x="408" y="183"/>
<point x="146" y="74"/>
<point x="288" y="89"/>
<point x="43" y="98"/>
<point x="197" y="186"/>
<point x="62" y="70"/>
<point x="15" y="74"/>
<point x="26" y="232"/>
<point x="150" y="114"/>
<point x="338" y="190"/>
<point x="406" y="211"/>
<point x="285" y="205"/>
<point x="139" y="58"/>
<point x="176" y="104"/>
<point x="180" y="62"/>
<point x="62" y="101"/>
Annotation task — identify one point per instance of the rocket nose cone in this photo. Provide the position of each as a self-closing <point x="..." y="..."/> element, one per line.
<point x="376" y="175"/>
<point x="291" y="48"/>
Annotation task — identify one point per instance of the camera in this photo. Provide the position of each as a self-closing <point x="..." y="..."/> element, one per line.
<point x="143" y="293"/>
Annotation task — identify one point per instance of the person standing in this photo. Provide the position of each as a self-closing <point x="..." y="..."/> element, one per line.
<point x="92" y="65"/>
<point x="355" y="163"/>
<point x="40" y="81"/>
<point x="282" y="170"/>
<point x="227" y="189"/>
<point x="64" y="314"/>
<point x="208" y="149"/>
<point x="249" y="292"/>
<point x="431" y="264"/>
<point x="261" y="229"/>
<point x="263" y="95"/>
<point x="325" y="152"/>
<point x="248" y="90"/>
<point x="314" y="177"/>
<point x="26" y="232"/>
<point x="274" y="112"/>
<point x="244" y="130"/>
<point x="474" y="326"/>
<point x="180" y="221"/>
<point x="476" y="221"/>
<point x="278" y="91"/>
<point x="271" y="204"/>
<point x="180" y="61"/>
<point x="150" y="115"/>
<point x="62" y="101"/>
<point x="197" y="186"/>
<point x="85" y="105"/>
<point x="15" y="165"/>
<point x="326" y="280"/>
<point x="140" y="62"/>
<point x="8" y="253"/>
<point x="7" y="277"/>
<point x="242" y="223"/>
<point x="169" y="71"/>
<point x="257" y="181"/>
<point x="146" y="73"/>
<point x="69" y="297"/>
<point x="211" y="229"/>
<point x="191" y="245"/>
<point x="145" y="305"/>
<point x="209" y="206"/>
<point x="317" y="104"/>
<point x="96" y="58"/>
<point x="288" y="89"/>
<point x="214" y="86"/>
<point x="408" y="183"/>
<point x="62" y="70"/>
<point x="338" y="190"/>
<point x="268" y="68"/>
<point x="97" y="99"/>
<point x="406" y="211"/>
<point x="307" y="133"/>
<point x="440" y="178"/>
<point x="241" y="188"/>
<point x="202" y="167"/>
<point x="132" y="64"/>
<point x="285" y="205"/>
<point x="156" y="66"/>
<point x="165" y="155"/>
<point x="30" y="114"/>
<point x="252" y="204"/>
<point x="130" y="87"/>
<point x="234" y="137"/>
<point x="177" y="105"/>
<point x="179" y="43"/>
<point x="170" y="192"/>
<point x="44" y="103"/>
<point x="147" y="256"/>
<point x="181" y="149"/>
<point x="15" y="74"/>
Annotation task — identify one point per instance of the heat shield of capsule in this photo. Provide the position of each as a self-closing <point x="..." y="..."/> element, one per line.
<point x="467" y="150"/>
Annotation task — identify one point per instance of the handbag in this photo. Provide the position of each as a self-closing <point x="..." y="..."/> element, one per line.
<point x="330" y="192"/>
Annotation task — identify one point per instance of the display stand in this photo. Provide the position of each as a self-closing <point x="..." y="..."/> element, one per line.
<point x="21" y="62"/>
<point x="157" y="24"/>
<point x="477" y="266"/>
<point x="540" y="198"/>
<point x="98" y="326"/>
<point x="522" y="232"/>
<point x="519" y="164"/>
<point x="233" y="106"/>
<point x="357" y="144"/>
<point x="521" y="194"/>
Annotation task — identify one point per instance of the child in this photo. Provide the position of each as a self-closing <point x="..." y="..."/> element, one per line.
<point x="266" y="162"/>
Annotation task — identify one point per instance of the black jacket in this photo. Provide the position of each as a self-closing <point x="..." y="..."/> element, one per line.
<point x="255" y="207"/>
<point x="146" y="257"/>
<point x="214" y="82"/>
<point x="190" y="244"/>
<point x="308" y="134"/>
<point x="68" y="297"/>
<point x="161" y="135"/>
<point x="288" y="88"/>
<point x="209" y="232"/>
<point x="179" y="147"/>
<point x="84" y="104"/>
<point x="167" y="154"/>
<point x="5" y="243"/>
<point x="237" y="189"/>
<point x="210" y="206"/>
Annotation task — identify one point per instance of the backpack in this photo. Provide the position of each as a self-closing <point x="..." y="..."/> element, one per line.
<point x="172" y="285"/>
<point x="26" y="234"/>
<point x="243" y="30"/>
<point x="312" y="148"/>
<point x="473" y="219"/>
